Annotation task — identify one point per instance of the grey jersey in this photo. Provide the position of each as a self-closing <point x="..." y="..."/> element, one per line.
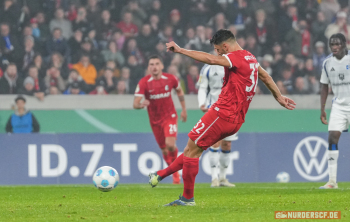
<point x="210" y="84"/>
<point x="337" y="73"/>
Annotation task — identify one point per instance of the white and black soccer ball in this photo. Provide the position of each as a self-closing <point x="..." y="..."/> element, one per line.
<point x="106" y="178"/>
<point x="282" y="177"/>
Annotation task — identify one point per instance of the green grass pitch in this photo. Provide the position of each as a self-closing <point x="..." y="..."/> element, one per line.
<point x="139" y="202"/>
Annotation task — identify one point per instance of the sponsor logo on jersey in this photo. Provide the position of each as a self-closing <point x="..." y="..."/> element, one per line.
<point x="166" y="88"/>
<point x="160" y="96"/>
<point x="332" y="69"/>
<point x="249" y="58"/>
<point x="341" y="76"/>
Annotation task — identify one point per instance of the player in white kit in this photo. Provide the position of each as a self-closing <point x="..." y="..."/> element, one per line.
<point x="336" y="72"/>
<point x="210" y="84"/>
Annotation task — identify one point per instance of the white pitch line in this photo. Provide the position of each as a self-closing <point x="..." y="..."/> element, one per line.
<point x="95" y="122"/>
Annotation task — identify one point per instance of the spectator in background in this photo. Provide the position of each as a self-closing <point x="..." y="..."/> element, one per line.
<point x="265" y="5"/>
<point x="22" y="121"/>
<point x="172" y="69"/>
<point x="285" y="83"/>
<point x="63" y="24"/>
<point x="263" y="31"/>
<point x="91" y="36"/>
<point x="39" y="85"/>
<point x="318" y="57"/>
<point x="128" y="28"/>
<point x="136" y="72"/>
<point x="87" y="71"/>
<point x="29" y="53"/>
<point x="40" y="65"/>
<point x="329" y="8"/>
<point x="161" y="51"/>
<point x="138" y="14"/>
<point x="74" y="42"/>
<point x="132" y="49"/>
<point x="218" y="22"/>
<point x="104" y="29"/>
<point x="300" y="87"/>
<point x="58" y="44"/>
<point x="176" y="23"/>
<point x="266" y="63"/>
<point x="146" y="40"/>
<point x="9" y="13"/>
<point x="252" y="46"/>
<point x="166" y="34"/>
<point x="318" y="28"/>
<point x="110" y="65"/>
<point x="81" y="21"/>
<point x="112" y="53"/>
<point x="53" y="78"/>
<point x="58" y="61"/>
<point x="10" y="83"/>
<point x="87" y="49"/>
<point x="121" y="87"/>
<point x="43" y="27"/>
<point x="29" y="89"/>
<point x="192" y="79"/>
<point x="109" y="80"/>
<point x="277" y="55"/>
<point x="287" y="21"/>
<point x="54" y="91"/>
<point x="199" y="12"/>
<point x="241" y="41"/>
<point x="72" y="12"/>
<point x="340" y="26"/>
<point x="75" y="77"/>
<point x="154" y="22"/>
<point x="299" y="40"/>
<point x="35" y="28"/>
<point x="99" y="89"/>
<point x="119" y="38"/>
<point x="93" y="11"/>
<point x="74" y="89"/>
<point x="9" y="43"/>
<point x="156" y="9"/>
<point x="125" y="77"/>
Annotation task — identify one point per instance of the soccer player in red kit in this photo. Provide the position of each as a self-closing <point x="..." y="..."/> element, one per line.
<point x="156" y="89"/>
<point x="226" y="116"/>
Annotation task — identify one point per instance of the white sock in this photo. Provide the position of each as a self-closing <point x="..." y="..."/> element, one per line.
<point x="214" y="160"/>
<point x="224" y="161"/>
<point x="333" y="165"/>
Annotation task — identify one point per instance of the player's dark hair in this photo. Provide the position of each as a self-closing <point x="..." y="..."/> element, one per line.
<point x="221" y="36"/>
<point x="342" y="39"/>
<point x="155" y="57"/>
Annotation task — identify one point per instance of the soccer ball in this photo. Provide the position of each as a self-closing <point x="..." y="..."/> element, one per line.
<point x="282" y="177"/>
<point x="105" y="178"/>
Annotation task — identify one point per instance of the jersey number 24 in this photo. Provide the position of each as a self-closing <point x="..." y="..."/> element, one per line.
<point x="254" y="67"/>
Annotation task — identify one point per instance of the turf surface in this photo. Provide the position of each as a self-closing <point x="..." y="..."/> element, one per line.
<point x="139" y="202"/>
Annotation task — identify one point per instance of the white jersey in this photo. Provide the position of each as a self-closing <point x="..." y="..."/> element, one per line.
<point x="337" y="73"/>
<point x="210" y="83"/>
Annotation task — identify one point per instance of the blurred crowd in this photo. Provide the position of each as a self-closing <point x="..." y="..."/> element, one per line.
<point x="50" y="47"/>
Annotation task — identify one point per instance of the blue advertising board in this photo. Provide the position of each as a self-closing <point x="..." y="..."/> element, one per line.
<point x="73" y="158"/>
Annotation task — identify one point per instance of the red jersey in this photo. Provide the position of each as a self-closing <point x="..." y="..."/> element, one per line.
<point x="158" y="92"/>
<point x="239" y="86"/>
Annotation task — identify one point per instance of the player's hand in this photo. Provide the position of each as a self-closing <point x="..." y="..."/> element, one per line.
<point x="145" y="103"/>
<point x="172" y="46"/>
<point x="183" y="116"/>
<point x="203" y="108"/>
<point x="323" y="117"/>
<point x="286" y="102"/>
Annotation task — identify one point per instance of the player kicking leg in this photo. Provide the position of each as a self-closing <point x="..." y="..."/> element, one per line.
<point x="227" y="115"/>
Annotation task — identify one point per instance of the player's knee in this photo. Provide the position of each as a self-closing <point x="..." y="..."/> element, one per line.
<point x="226" y="145"/>
<point x="333" y="139"/>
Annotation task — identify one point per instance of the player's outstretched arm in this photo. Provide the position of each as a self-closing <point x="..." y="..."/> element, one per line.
<point x="324" y="95"/>
<point x="271" y="85"/>
<point x="181" y="95"/>
<point x="198" y="55"/>
<point x="138" y="104"/>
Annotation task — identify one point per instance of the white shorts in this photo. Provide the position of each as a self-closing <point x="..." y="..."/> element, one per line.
<point x="339" y="119"/>
<point x="232" y="137"/>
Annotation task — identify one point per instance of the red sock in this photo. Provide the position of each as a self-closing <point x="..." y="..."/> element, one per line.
<point x="172" y="168"/>
<point x="173" y="154"/>
<point x="189" y="173"/>
<point x="167" y="158"/>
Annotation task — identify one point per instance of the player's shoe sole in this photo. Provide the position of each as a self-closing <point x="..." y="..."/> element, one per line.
<point x="154" y="179"/>
<point x="182" y="202"/>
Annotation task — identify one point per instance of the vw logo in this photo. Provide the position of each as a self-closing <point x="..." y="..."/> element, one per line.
<point x="304" y="164"/>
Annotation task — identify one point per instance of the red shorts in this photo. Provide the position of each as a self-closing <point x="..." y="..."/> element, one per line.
<point x="167" y="128"/>
<point x="211" y="129"/>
